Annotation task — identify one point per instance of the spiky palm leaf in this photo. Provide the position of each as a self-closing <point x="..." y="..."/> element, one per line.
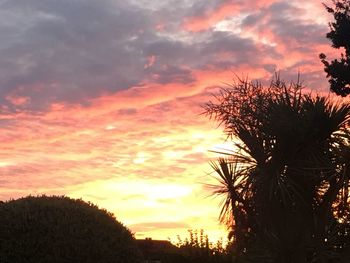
<point x="295" y="157"/>
<point x="231" y="185"/>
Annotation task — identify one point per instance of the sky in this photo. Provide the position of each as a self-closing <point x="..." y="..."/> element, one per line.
<point x="102" y="100"/>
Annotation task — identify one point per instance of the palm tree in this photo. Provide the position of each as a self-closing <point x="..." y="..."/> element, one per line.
<point x="287" y="187"/>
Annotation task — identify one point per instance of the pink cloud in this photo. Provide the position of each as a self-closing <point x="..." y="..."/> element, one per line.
<point x="204" y="22"/>
<point x="223" y="11"/>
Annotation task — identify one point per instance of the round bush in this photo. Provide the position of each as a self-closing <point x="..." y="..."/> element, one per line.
<point x="59" y="229"/>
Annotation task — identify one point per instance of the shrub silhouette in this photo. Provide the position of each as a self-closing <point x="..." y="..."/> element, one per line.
<point x="60" y="229"/>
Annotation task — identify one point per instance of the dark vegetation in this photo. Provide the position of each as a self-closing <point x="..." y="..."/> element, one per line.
<point x="196" y="248"/>
<point x="59" y="229"/>
<point x="338" y="70"/>
<point x="286" y="185"/>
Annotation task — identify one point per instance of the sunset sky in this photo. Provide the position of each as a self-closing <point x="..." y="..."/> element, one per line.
<point x="101" y="100"/>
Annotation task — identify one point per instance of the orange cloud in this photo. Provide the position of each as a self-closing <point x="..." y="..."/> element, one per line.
<point x="18" y="101"/>
<point x="134" y="161"/>
<point x="208" y="20"/>
<point x="223" y="11"/>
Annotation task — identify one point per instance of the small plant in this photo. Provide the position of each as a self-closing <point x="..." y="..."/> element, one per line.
<point x="198" y="248"/>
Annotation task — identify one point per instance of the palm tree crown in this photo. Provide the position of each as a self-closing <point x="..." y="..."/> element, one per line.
<point x="286" y="187"/>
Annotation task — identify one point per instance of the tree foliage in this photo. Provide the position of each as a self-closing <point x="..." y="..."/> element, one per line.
<point x="198" y="249"/>
<point x="60" y="229"/>
<point x="286" y="185"/>
<point x="338" y="70"/>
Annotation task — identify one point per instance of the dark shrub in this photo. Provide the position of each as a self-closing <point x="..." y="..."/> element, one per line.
<point x="60" y="229"/>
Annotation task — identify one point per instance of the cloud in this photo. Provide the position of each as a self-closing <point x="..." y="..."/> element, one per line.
<point x="147" y="226"/>
<point x="172" y="74"/>
<point x="73" y="51"/>
<point x="69" y="50"/>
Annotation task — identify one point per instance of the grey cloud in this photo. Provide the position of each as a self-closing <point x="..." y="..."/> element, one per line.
<point x="172" y="74"/>
<point x="225" y="51"/>
<point x="71" y="49"/>
<point x="252" y="19"/>
<point x="305" y="34"/>
<point x="202" y="53"/>
<point x="284" y="21"/>
<point x="226" y="42"/>
<point x="200" y="8"/>
<point x="270" y="67"/>
<point x="169" y="51"/>
<point x="237" y="49"/>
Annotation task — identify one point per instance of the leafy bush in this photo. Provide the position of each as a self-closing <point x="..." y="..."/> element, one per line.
<point x="60" y="229"/>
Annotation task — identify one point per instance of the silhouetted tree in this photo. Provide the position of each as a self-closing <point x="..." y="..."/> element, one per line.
<point x="286" y="184"/>
<point x="60" y="229"/>
<point x="338" y="71"/>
